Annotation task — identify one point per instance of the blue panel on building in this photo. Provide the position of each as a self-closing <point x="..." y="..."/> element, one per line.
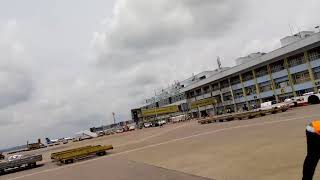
<point x="315" y="63"/>
<point x="236" y="86"/>
<point x="302" y="86"/>
<point x="252" y="97"/>
<point x="263" y="79"/>
<point x="266" y="94"/>
<point x="284" y="90"/>
<point x="214" y="93"/>
<point x="240" y="100"/>
<point x="248" y="83"/>
<point x="299" y="68"/>
<point x="280" y="74"/>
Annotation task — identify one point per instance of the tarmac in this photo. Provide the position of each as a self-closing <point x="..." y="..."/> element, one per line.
<point x="269" y="147"/>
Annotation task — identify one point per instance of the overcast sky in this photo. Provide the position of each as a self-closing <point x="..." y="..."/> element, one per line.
<point x="66" y="66"/>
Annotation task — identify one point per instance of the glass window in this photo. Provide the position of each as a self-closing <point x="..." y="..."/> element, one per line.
<point x="277" y="66"/>
<point x="224" y="84"/>
<point x="206" y="89"/>
<point x="235" y="80"/>
<point x="316" y="73"/>
<point x="215" y="87"/>
<point x="261" y="71"/>
<point x="296" y="60"/>
<point x="250" y="90"/>
<point x="282" y="82"/>
<point x="238" y="93"/>
<point x="301" y="77"/>
<point x="227" y="96"/>
<point x="265" y="88"/>
<point x="314" y="54"/>
<point x="198" y="92"/>
<point x="247" y="76"/>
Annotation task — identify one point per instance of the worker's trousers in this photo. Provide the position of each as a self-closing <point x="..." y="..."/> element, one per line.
<point x="313" y="155"/>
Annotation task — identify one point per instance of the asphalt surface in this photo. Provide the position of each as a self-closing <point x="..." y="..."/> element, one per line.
<point x="270" y="147"/>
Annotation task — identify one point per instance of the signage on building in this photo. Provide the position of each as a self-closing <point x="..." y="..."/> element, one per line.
<point x="160" y="111"/>
<point x="203" y="102"/>
<point x="283" y="90"/>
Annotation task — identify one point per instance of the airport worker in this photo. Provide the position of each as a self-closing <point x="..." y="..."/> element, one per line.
<point x="313" y="150"/>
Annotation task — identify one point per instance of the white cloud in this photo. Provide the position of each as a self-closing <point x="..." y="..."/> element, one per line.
<point x="15" y="81"/>
<point x="141" y="30"/>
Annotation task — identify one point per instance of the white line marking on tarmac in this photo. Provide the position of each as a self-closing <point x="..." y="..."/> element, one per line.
<point x="166" y="142"/>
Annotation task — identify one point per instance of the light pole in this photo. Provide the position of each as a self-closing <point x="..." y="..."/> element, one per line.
<point x="155" y="105"/>
<point x="114" y="118"/>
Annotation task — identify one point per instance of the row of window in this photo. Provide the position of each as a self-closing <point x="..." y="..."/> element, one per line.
<point x="314" y="54"/>
<point x="262" y="71"/>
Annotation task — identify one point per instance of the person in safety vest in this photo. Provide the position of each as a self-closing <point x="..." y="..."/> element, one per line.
<point x="313" y="150"/>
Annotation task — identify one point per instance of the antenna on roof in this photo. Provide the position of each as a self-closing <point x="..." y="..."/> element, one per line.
<point x="291" y="30"/>
<point x="299" y="29"/>
<point x="219" y="63"/>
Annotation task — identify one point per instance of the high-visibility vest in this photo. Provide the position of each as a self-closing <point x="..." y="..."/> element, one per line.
<point x="316" y="126"/>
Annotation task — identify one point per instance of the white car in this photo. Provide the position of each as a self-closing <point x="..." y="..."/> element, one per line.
<point x="120" y="130"/>
<point x="147" y="124"/>
<point x="132" y="127"/>
<point x="162" y="122"/>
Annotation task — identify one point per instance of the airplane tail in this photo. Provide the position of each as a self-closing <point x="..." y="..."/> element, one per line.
<point x="48" y="140"/>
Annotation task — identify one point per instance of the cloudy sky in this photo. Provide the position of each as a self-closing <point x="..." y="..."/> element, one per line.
<point x="66" y="66"/>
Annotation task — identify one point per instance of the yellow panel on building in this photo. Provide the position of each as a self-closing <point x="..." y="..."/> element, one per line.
<point x="160" y="111"/>
<point x="203" y="102"/>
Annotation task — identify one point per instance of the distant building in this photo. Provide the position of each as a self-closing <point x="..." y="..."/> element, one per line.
<point x="110" y="126"/>
<point x="292" y="70"/>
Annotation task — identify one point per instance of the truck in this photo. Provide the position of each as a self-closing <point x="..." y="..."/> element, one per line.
<point x="273" y="105"/>
<point x="69" y="156"/>
<point x="19" y="161"/>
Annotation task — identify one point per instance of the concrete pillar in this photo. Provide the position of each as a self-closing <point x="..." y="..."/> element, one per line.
<point x="233" y="100"/>
<point x="306" y="58"/>
<point x="273" y="85"/>
<point x="289" y="76"/>
<point x="257" y="85"/>
<point x="243" y="90"/>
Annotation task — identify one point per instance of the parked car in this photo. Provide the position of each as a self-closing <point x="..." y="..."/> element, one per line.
<point x="100" y="133"/>
<point x="120" y="130"/>
<point x="147" y="124"/>
<point x="179" y="118"/>
<point x="162" y="122"/>
<point x="132" y="127"/>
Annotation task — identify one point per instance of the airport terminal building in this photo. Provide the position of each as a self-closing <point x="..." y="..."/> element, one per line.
<point x="290" y="71"/>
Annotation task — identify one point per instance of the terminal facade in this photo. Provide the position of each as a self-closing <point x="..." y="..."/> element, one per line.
<point x="290" y="71"/>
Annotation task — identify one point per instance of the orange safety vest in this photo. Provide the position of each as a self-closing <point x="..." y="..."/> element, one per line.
<point x="316" y="126"/>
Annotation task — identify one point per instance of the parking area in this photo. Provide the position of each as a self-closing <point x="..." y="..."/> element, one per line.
<point x="269" y="147"/>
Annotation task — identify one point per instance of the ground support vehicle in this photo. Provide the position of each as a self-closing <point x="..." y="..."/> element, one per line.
<point x="69" y="156"/>
<point x="243" y="115"/>
<point x="1" y="156"/>
<point x="26" y="161"/>
<point x="147" y="124"/>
